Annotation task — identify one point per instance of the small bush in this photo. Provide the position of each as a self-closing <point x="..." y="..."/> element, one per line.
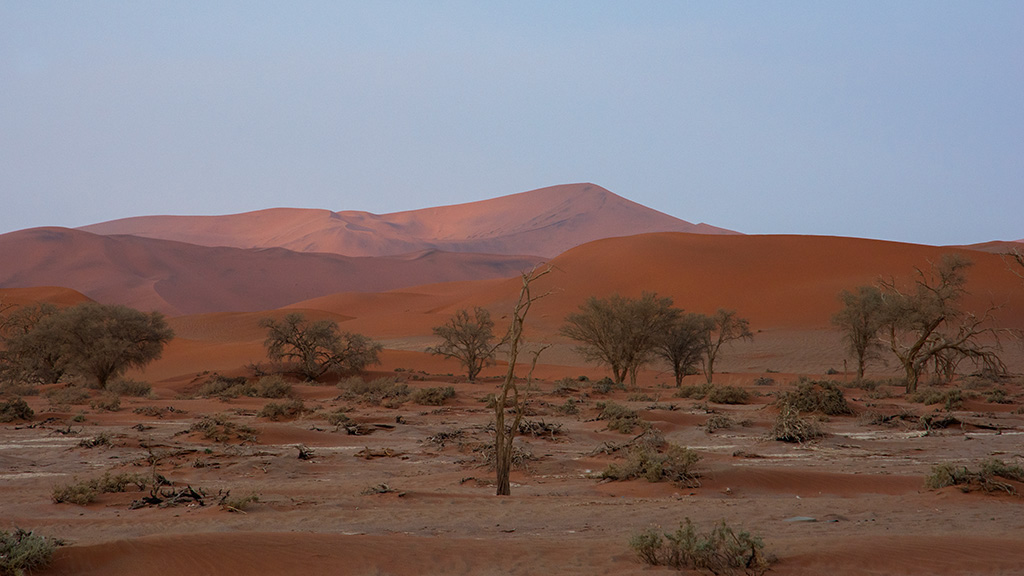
<point x="70" y="395"/>
<point x="387" y="392"/>
<point x="619" y="417"/>
<point x="290" y="409"/>
<point x="764" y="381"/>
<point x="16" y="409"/>
<point x="435" y="396"/>
<point x="718" y="422"/>
<point x="986" y="478"/>
<point x="817" y="396"/>
<point x="675" y="465"/>
<point x="569" y="408"/>
<point x="126" y="387"/>
<point x="86" y="491"/>
<point x="224" y="387"/>
<point x="219" y="429"/>
<point x="952" y="399"/>
<point x="695" y="391"/>
<point x="998" y="396"/>
<point x="272" y="386"/>
<point x="719" y="551"/>
<point x="728" y="395"/>
<point x="606" y="385"/>
<point x="237" y="503"/>
<point x="106" y="403"/>
<point x="22" y="551"/>
<point x="790" y="427"/>
<point x="338" y="418"/>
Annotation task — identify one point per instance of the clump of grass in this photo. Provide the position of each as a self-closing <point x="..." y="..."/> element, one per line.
<point x="986" y="478"/>
<point x="386" y="392"/>
<point x="127" y="387"/>
<point x="16" y="409"/>
<point x="790" y="427"/>
<point x="23" y="551"/>
<point x="224" y="387"/>
<point x="435" y="396"/>
<point x="998" y="396"/>
<point x="817" y="396"/>
<point x="272" y="386"/>
<point x="721" y="550"/>
<point x="728" y="395"/>
<point x="219" y="429"/>
<point x="606" y="385"/>
<point x="569" y="408"/>
<point x="676" y="464"/>
<point x="281" y="411"/>
<point x="619" y="417"/>
<point x="337" y="418"/>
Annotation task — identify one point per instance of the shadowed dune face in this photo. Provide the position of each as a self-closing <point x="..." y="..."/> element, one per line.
<point x="179" y="278"/>
<point x="544" y="222"/>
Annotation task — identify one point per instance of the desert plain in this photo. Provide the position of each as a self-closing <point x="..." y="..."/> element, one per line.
<point x="403" y="488"/>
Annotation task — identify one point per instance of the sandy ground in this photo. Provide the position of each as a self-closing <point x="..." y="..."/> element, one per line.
<point x="853" y="502"/>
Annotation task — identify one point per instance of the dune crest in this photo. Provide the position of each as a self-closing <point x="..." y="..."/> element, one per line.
<point x="543" y="222"/>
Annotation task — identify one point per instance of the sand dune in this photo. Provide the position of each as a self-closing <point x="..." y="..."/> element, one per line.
<point x="544" y="222"/>
<point x="179" y="278"/>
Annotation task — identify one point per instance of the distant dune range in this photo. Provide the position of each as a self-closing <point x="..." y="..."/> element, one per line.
<point x="544" y="222"/>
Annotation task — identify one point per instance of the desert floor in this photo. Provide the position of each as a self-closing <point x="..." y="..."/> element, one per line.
<point x="853" y="502"/>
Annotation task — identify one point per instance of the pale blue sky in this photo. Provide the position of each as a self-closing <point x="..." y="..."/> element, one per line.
<point x="893" y="120"/>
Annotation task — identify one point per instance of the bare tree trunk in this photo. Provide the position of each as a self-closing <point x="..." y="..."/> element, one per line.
<point x="504" y="436"/>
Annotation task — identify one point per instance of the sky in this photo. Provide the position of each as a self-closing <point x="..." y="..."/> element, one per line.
<point x="875" y="119"/>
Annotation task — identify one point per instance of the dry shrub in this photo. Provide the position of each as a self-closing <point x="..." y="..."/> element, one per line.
<point x="676" y="465"/>
<point x="719" y="551"/>
<point x="790" y="427"/>
<point x="219" y="429"/>
<point x="718" y="422"/>
<point x="285" y="410"/>
<point x="386" y="392"/>
<point x="16" y="409"/>
<point x="127" y="387"/>
<point x="952" y="399"/>
<point x="487" y="456"/>
<point x="68" y="396"/>
<point x="23" y="551"/>
<point x="107" y="403"/>
<point x="435" y="396"/>
<point x="695" y="391"/>
<point x="986" y="478"/>
<point x="237" y="503"/>
<point x="620" y="418"/>
<point x="728" y="395"/>
<point x="817" y="396"/>
<point x="569" y="408"/>
<point x="86" y="491"/>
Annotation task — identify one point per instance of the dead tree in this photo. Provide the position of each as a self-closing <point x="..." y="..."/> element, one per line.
<point x="504" y="436"/>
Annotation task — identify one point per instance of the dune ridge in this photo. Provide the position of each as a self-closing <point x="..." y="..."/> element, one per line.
<point x="543" y="222"/>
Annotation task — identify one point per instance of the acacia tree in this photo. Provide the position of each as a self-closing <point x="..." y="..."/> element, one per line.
<point x="505" y="435"/>
<point x="318" y="347"/>
<point x="620" y="332"/>
<point x="682" y="344"/>
<point x="90" y="340"/>
<point x="468" y="339"/>
<point x="926" y="324"/>
<point x="860" y="319"/>
<point x="29" y="354"/>
<point x="723" y="327"/>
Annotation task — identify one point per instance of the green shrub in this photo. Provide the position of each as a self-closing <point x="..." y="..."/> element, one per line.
<point x="126" y="387"/>
<point x="719" y="551"/>
<point x="22" y="551"/>
<point x="435" y="396"/>
<point x="289" y="409"/>
<point x="728" y="395"/>
<point x="998" y="396"/>
<point x="16" y="409"/>
<point x="817" y="396"/>
<point x="675" y="465"/>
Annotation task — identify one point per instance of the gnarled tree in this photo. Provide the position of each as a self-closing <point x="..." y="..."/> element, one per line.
<point x="722" y="328"/>
<point x="927" y="324"/>
<point x="468" y="339"/>
<point x="317" y="347"/>
<point x="620" y="332"/>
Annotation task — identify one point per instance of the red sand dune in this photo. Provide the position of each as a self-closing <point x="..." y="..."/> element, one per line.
<point x="179" y="278"/>
<point x="544" y="222"/>
<point x="56" y="295"/>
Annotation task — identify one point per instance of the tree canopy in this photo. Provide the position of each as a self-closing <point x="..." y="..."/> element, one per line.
<point x="468" y="339"/>
<point x="314" y="348"/>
